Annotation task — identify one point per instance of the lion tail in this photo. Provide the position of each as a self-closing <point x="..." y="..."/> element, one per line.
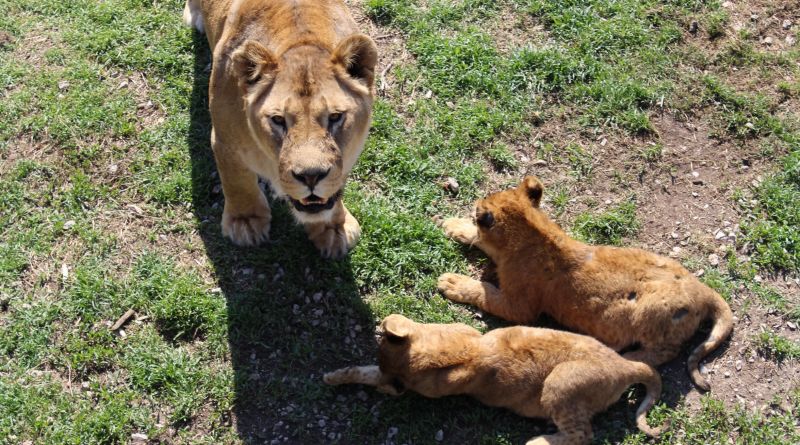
<point x="650" y="378"/>
<point x="720" y="313"/>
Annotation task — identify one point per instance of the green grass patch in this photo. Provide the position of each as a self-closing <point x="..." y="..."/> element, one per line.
<point x="609" y="227"/>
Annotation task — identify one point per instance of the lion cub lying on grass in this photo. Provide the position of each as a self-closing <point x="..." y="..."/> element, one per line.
<point x="534" y="372"/>
<point x="623" y="297"/>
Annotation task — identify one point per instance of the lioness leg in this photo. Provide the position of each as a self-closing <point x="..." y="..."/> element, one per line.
<point x="364" y="375"/>
<point x="336" y="237"/>
<point x="487" y="297"/>
<point x="246" y="216"/>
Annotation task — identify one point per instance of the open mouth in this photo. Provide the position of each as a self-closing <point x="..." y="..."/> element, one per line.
<point x="314" y="204"/>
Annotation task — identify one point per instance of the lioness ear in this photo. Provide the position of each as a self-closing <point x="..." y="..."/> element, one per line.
<point x="253" y="62"/>
<point x="533" y="189"/>
<point x="358" y="55"/>
<point x="395" y="329"/>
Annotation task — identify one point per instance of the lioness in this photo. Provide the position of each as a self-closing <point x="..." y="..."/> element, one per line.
<point x="290" y="97"/>
<point x="626" y="298"/>
<point x="534" y="372"/>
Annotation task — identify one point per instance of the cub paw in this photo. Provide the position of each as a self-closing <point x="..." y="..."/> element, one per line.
<point x="335" y="240"/>
<point x="458" y="288"/>
<point x="247" y="229"/>
<point x="460" y="229"/>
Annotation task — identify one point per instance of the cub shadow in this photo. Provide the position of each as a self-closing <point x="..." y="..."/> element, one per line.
<point x="291" y="314"/>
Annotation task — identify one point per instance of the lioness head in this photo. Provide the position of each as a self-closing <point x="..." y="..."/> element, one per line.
<point x="510" y="214"/>
<point x="309" y="108"/>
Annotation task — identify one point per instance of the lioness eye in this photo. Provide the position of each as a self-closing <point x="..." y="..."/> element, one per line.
<point x="278" y="120"/>
<point x="334" y="118"/>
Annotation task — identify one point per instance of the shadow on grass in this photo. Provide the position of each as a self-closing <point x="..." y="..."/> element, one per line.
<point x="291" y="314"/>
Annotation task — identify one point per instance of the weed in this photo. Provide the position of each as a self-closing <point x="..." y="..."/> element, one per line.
<point x="776" y="347"/>
<point x="608" y="227"/>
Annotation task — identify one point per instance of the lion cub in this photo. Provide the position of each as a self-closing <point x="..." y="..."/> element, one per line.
<point x="534" y="372"/>
<point x="623" y="297"/>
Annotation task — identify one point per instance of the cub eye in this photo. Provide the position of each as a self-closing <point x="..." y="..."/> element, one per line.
<point x="485" y="220"/>
<point x="278" y="120"/>
<point x="334" y="118"/>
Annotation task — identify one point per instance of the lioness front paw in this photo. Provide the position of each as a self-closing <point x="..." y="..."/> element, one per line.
<point x="459" y="288"/>
<point x="247" y="229"/>
<point x="335" y="240"/>
<point x="460" y="229"/>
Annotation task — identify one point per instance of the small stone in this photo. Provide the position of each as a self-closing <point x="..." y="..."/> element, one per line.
<point x="727" y="374"/>
<point x="84" y="386"/>
<point x="719" y="235"/>
<point x="713" y="259"/>
<point x="790" y="40"/>
<point x="69" y="224"/>
<point x="321" y="423"/>
<point x="63" y="85"/>
<point x="727" y="4"/>
<point x="750" y="125"/>
<point x="787" y="24"/>
<point x="139" y="437"/>
<point x="392" y="432"/>
<point x="439" y="436"/>
<point x="754" y="17"/>
<point x="217" y="188"/>
<point x="64" y="272"/>
<point x="317" y="297"/>
<point x="695" y="195"/>
<point x="450" y="184"/>
<point x="123" y="84"/>
<point x="767" y="41"/>
<point x="674" y="235"/>
<point x="539" y="163"/>
<point x="695" y="174"/>
<point x="758" y="279"/>
<point x="700" y="272"/>
<point x="791" y="325"/>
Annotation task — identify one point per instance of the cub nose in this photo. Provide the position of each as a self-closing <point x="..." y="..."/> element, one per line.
<point x="311" y="177"/>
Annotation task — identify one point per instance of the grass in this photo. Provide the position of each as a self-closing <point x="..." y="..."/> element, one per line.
<point x="609" y="227"/>
<point x="777" y="347"/>
<point x="109" y="201"/>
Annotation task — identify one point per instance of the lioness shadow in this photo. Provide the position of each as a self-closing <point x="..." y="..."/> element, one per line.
<point x="291" y="314"/>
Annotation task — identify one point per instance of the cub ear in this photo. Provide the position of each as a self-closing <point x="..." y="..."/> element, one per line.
<point x="253" y="62"/>
<point x="532" y="188"/>
<point x="358" y="55"/>
<point x="395" y="329"/>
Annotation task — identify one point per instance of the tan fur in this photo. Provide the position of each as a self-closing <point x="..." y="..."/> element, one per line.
<point x="283" y="71"/>
<point x="621" y="296"/>
<point x="534" y="372"/>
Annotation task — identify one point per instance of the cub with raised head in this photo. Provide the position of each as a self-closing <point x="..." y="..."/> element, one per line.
<point x="534" y="372"/>
<point x="624" y="297"/>
<point x="290" y="96"/>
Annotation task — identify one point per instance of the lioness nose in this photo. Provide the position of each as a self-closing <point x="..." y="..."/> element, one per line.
<point x="311" y="177"/>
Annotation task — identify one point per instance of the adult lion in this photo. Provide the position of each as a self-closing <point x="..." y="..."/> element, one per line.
<point x="290" y="97"/>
